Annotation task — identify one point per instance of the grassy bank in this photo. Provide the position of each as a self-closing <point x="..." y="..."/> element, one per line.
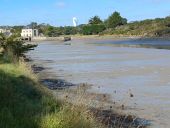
<point x="24" y="103"/>
<point x="158" y="27"/>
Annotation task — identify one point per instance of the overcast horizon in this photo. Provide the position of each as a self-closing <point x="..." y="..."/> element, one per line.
<point x="61" y="12"/>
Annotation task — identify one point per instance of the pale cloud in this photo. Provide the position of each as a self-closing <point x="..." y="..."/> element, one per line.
<point x="60" y="4"/>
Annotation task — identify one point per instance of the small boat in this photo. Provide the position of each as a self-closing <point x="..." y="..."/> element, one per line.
<point x="67" y="38"/>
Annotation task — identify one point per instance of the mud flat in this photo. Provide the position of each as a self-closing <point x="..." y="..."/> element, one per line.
<point x="137" y="78"/>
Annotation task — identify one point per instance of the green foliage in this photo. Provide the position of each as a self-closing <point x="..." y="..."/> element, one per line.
<point x="33" y="25"/>
<point x="24" y="103"/>
<point x="13" y="46"/>
<point x="68" y="30"/>
<point x="92" y="29"/>
<point x="159" y="27"/>
<point x="163" y="32"/>
<point x="95" y="26"/>
<point x="95" y="20"/>
<point x="16" y="30"/>
<point x="51" y="31"/>
<point x="114" y="24"/>
<point x="115" y="20"/>
<point x="42" y="28"/>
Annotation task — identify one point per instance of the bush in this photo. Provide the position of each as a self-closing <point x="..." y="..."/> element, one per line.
<point x="163" y="32"/>
<point x="12" y="46"/>
<point x="115" y="20"/>
<point x="93" y="29"/>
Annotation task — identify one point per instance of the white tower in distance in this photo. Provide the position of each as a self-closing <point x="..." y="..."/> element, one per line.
<point x="75" y="21"/>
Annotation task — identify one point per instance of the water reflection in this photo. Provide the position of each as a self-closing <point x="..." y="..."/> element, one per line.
<point x="139" y="43"/>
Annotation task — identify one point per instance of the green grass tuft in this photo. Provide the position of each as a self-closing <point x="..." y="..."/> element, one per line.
<point x="24" y="103"/>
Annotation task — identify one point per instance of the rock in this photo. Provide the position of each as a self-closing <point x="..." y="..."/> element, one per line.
<point x="123" y="107"/>
<point x="37" y="69"/>
<point x="67" y="38"/>
<point x="131" y="95"/>
<point x="55" y="84"/>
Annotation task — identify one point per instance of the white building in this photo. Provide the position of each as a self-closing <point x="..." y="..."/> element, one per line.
<point x="29" y="33"/>
<point x="1" y="30"/>
<point x="4" y="31"/>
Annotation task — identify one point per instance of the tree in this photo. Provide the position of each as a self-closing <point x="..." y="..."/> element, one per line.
<point x="50" y="31"/>
<point x="93" y="29"/>
<point x="33" y="25"/>
<point x="13" y="47"/>
<point x="115" y="20"/>
<point x="42" y="28"/>
<point x="16" y="30"/>
<point x="68" y="30"/>
<point x="124" y="21"/>
<point x="95" y="20"/>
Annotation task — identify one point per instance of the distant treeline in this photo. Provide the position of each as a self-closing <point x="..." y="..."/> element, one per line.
<point x="115" y="24"/>
<point x="94" y="26"/>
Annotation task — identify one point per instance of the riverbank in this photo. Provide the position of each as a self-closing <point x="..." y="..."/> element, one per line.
<point x="100" y="105"/>
<point x="24" y="102"/>
<point x="98" y="37"/>
<point x="117" y="37"/>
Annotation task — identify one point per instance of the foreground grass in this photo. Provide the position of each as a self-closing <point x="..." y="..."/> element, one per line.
<point x="24" y="103"/>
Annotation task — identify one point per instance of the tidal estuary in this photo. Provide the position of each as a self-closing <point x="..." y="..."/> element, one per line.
<point x="118" y="68"/>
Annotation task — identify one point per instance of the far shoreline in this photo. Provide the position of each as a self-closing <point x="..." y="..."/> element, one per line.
<point x="97" y="37"/>
<point x="116" y="37"/>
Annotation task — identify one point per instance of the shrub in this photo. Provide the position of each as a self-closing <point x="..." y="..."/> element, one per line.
<point x="13" y="47"/>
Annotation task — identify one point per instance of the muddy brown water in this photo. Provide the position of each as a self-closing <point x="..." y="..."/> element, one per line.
<point x="115" y="69"/>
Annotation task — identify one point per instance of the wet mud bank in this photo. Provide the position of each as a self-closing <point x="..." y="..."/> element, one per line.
<point x="106" y="114"/>
<point x="136" y="81"/>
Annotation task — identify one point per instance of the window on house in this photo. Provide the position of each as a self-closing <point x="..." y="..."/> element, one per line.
<point x="35" y="33"/>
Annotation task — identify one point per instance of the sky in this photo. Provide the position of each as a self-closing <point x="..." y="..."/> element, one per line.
<point x="61" y="12"/>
